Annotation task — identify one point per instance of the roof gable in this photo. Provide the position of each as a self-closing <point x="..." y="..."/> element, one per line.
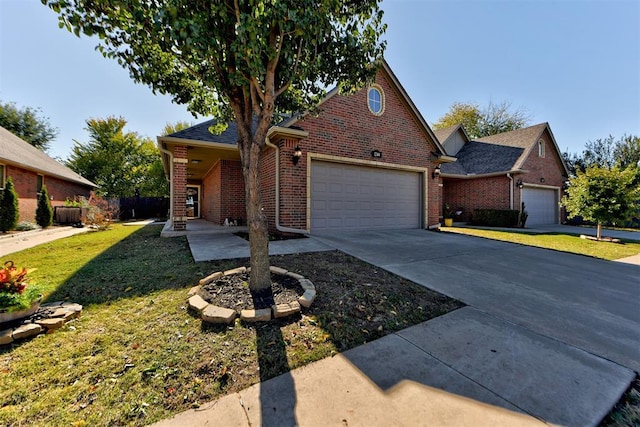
<point x="18" y="152"/>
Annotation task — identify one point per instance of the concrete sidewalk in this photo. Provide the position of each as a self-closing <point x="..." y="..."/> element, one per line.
<point x="10" y="243"/>
<point x="463" y="368"/>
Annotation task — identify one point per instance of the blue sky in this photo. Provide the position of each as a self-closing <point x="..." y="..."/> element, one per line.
<point x="572" y="63"/>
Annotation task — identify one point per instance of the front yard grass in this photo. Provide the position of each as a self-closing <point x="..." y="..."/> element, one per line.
<point x="137" y="355"/>
<point x="556" y="241"/>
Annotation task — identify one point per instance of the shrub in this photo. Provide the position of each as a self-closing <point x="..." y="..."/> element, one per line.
<point x="9" y="212"/>
<point x="523" y="217"/>
<point x="495" y="217"/>
<point x="26" y="226"/>
<point x="44" y="211"/>
<point x="100" y="213"/>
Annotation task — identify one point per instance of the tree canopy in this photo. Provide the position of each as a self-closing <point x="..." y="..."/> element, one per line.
<point x="607" y="153"/>
<point x="480" y="122"/>
<point x="238" y="59"/>
<point x="28" y="124"/>
<point x="603" y="195"/>
<point x="118" y="162"/>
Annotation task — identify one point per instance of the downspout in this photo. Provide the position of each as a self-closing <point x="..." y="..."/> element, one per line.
<point x="510" y="190"/>
<point x="278" y="226"/>
<point x="168" y="153"/>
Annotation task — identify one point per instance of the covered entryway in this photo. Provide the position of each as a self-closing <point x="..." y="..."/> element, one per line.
<point x="354" y="197"/>
<point x="541" y="204"/>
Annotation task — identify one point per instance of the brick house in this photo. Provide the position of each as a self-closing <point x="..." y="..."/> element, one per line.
<point x="366" y="161"/>
<point x="30" y="169"/>
<point x="502" y="171"/>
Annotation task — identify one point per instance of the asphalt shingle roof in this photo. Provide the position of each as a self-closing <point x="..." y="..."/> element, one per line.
<point x="200" y="132"/>
<point x="17" y="151"/>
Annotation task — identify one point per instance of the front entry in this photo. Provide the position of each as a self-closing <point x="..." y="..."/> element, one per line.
<point x="193" y="201"/>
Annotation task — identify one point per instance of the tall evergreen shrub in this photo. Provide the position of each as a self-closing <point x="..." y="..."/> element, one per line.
<point x="44" y="211"/>
<point x="9" y="212"/>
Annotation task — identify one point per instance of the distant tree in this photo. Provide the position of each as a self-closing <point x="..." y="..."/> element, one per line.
<point x="574" y="163"/>
<point x="170" y="128"/>
<point x="118" y="162"/>
<point x="27" y="124"/>
<point x="606" y="153"/>
<point x="627" y="151"/>
<point x="603" y="195"/>
<point x="478" y="123"/>
<point x="44" y="211"/>
<point x="9" y="210"/>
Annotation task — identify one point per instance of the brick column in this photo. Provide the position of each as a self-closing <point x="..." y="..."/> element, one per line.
<point x="179" y="188"/>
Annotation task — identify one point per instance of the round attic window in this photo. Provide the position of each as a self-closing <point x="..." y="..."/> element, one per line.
<point x="375" y="100"/>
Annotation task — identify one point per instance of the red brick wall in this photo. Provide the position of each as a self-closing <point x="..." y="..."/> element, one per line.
<point x="268" y="185"/>
<point x="480" y="193"/>
<point x="223" y="193"/>
<point x="210" y="208"/>
<point x="25" y="182"/>
<point x="179" y="210"/>
<point x="346" y="128"/>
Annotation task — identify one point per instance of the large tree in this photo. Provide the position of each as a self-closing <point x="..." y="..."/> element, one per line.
<point x="607" y="153"/>
<point x="603" y="195"/>
<point x="240" y="60"/>
<point x="28" y="124"/>
<point x="480" y="122"/>
<point x="118" y="162"/>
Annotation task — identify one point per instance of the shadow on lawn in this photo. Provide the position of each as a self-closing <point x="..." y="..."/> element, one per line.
<point x="140" y="264"/>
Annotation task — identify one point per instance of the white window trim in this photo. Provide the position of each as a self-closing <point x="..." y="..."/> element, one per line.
<point x="382" y="100"/>
<point x="541" y="147"/>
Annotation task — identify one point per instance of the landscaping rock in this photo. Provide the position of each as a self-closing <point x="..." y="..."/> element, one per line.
<point x="194" y="290"/>
<point x="307" y="298"/>
<point x="52" y="304"/>
<point x="307" y="284"/>
<point x="210" y="278"/>
<point x="5" y="337"/>
<point x="262" y="315"/>
<point x="77" y="308"/>
<point x="26" y="331"/>
<point x="197" y="303"/>
<point x="295" y="275"/>
<point x="278" y="270"/>
<point x="235" y="271"/>
<point x="284" y="310"/>
<point x="51" y="323"/>
<point x="215" y="314"/>
<point x="65" y="314"/>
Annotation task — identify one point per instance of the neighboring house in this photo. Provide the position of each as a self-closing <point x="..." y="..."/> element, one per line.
<point x="503" y="170"/>
<point x="366" y="161"/>
<point x="30" y="169"/>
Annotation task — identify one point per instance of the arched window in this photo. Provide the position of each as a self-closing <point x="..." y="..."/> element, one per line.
<point x="540" y="148"/>
<point x="375" y="100"/>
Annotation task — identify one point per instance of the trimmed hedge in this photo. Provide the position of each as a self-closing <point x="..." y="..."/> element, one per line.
<point x="495" y="217"/>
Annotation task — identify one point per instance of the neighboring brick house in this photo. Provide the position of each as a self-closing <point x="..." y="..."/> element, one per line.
<point x="365" y="161"/>
<point x="30" y="168"/>
<point x="503" y="170"/>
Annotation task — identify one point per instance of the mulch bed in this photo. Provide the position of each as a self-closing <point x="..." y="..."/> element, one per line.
<point x="233" y="292"/>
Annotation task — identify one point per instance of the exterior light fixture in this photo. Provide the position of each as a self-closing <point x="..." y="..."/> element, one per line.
<point x="519" y="183"/>
<point x="297" y="153"/>
<point x="542" y="180"/>
<point x="436" y="172"/>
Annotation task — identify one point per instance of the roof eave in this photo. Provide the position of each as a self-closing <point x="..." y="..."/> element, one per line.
<point x="82" y="181"/>
<point x="483" y="175"/>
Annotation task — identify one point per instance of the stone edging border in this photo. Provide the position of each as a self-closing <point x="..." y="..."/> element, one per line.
<point x="57" y="315"/>
<point x="214" y="314"/>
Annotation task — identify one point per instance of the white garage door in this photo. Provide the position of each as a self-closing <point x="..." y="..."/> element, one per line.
<point x="541" y="204"/>
<point x="348" y="197"/>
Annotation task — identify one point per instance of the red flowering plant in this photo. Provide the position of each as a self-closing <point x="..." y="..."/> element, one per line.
<point x="13" y="283"/>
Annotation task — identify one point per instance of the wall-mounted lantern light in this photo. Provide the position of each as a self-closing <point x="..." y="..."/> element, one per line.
<point x="436" y="172"/>
<point x="542" y="180"/>
<point x="519" y="183"/>
<point x="297" y="153"/>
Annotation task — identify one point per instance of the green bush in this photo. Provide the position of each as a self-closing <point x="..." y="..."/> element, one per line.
<point x="9" y="212"/>
<point x="44" y="211"/>
<point x="495" y="217"/>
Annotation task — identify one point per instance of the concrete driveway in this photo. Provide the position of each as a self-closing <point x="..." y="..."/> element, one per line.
<point x="584" y="302"/>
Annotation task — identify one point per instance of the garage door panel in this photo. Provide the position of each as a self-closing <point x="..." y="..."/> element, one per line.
<point x="362" y="197"/>
<point x="541" y="204"/>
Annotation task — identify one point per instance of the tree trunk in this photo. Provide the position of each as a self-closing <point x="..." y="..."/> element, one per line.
<point x="260" y="276"/>
<point x="599" y="231"/>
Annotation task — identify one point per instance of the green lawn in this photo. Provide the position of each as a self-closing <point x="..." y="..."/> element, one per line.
<point x="136" y="355"/>
<point x="559" y="242"/>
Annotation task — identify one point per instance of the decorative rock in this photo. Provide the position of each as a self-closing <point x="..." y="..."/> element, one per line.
<point x="307" y="298"/>
<point x="210" y="278"/>
<point x="65" y="313"/>
<point x="238" y="270"/>
<point x="26" y="331"/>
<point x="194" y="290"/>
<point x="52" y="304"/>
<point x="295" y="275"/>
<point x="287" y="309"/>
<point x="262" y="315"/>
<point x="278" y="270"/>
<point x="307" y="285"/>
<point x="215" y="314"/>
<point x="51" y="323"/>
<point x="72" y="307"/>
<point x="5" y="337"/>
<point x="197" y="303"/>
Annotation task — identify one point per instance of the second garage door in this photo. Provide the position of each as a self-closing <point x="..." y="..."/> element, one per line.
<point x="541" y="204"/>
<point x="349" y="197"/>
